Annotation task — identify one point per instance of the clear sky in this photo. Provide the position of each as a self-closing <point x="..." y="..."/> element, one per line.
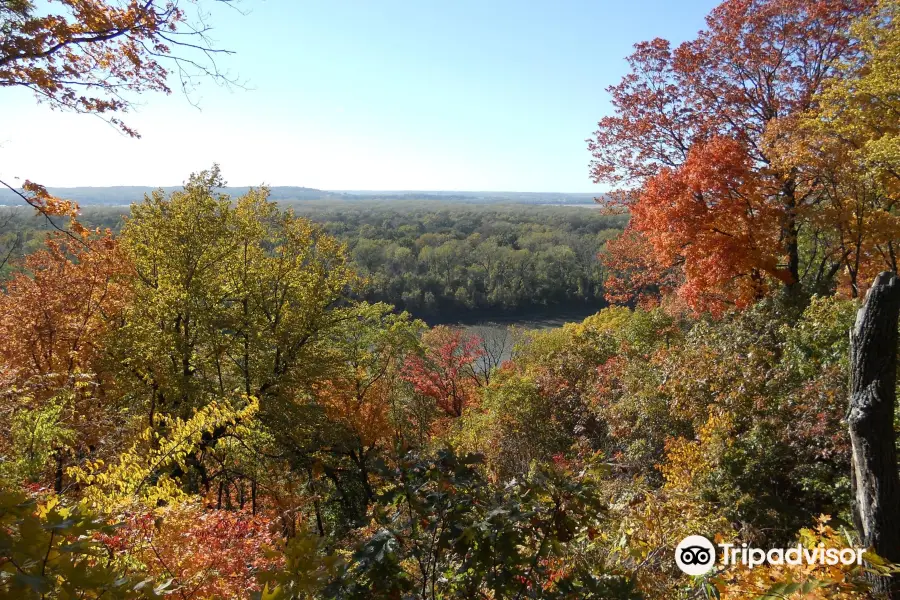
<point x="492" y="95"/>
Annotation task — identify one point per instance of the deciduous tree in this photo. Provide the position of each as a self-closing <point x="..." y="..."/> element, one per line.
<point x="90" y="57"/>
<point x="56" y="318"/>
<point x="687" y="150"/>
<point x="444" y="371"/>
<point x="227" y="298"/>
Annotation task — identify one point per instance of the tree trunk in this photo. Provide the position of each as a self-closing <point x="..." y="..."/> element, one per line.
<point x="790" y="233"/>
<point x="876" y="485"/>
<point x="58" y="474"/>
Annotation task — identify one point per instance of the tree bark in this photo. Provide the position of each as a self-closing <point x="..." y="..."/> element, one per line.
<point x="791" y="233"/>
<point x="873" y="379"/>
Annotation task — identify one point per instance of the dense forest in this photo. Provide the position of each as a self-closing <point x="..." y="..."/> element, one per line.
<point x="457" y="260"/>
<point x="440" y="261"/>
<point x="125" y="195"/>
<point x="223" y="397"/>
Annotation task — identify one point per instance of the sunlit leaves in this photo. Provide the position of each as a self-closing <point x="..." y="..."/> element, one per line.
<point x="145" y="472"/>
<point x="689" y="149"/>
<point x="89" y="56"/>
<point x="444" y="372"/>
<point x="229" y="298"/>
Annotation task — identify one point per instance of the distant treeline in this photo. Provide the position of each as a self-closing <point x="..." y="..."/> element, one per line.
<point x="440" y="261"/>
<point x="125" y="195"/>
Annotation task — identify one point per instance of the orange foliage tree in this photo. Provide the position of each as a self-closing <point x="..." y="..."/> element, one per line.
<point x="359" y="394"/>
<point x="688" y="153"/>
<point x="203" y="553"/>
<point x="87" y="56"/>
<point x="54" y="318"/>
<point x="717" y="223"/>
<point x="55" y="312"/>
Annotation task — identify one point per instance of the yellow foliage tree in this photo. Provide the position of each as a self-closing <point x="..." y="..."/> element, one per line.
<point x="145" y="473"/>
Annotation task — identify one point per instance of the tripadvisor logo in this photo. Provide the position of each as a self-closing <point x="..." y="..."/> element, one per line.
<point x="696" y="555"/>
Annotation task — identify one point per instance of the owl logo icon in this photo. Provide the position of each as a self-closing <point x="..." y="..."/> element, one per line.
<point x="695" y="555"/>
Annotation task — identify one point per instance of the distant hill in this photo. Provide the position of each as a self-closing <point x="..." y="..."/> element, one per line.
<point x="507" y="197"/>
<point x="125" y="195"/>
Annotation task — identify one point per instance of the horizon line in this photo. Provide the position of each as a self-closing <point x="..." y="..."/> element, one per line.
<point x="335" y="191"/>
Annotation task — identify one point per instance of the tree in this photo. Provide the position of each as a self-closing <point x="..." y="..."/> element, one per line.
<point x="360" y="389"/>
<point x="56" y="318"/>
<point x="360" y="396"/>
<point x="873" y="394"/>
<point x="515" y="426"/>
<point x="861" y="106"/>
<point x="57" y="310"/>
<point x="688" y="153"/>
<point x="849" y="144"/>
<point x="228" y="299"/>
<point x="496" y="342"/>
<point x="236" y="299"/>
<point x="169" y="340"/>
<point x="89" y="56"/>
<point x="444" y="372"/>
<point x="718" y="225"/>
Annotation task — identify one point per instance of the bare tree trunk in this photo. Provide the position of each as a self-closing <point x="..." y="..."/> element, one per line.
<point x="58" y="474"/>
<point x="876" y="485"/>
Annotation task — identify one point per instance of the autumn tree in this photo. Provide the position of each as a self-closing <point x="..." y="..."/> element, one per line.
<point x="688" y="154"/>
<point x="861" y="107"/>
<point x="496" y="345"/>
<point x="353" y="416"/>
<point x="444" y="370"/>
<point x="89" y="57"/>
<point x="514" y="426"/>
<point x="848" y="144"/>
<point x="176" y="245"/>
<point x="56" y="316"/>
<point x="228" y="299"/>
<point x="237" y="301"/>
<point x="78" y="291"/>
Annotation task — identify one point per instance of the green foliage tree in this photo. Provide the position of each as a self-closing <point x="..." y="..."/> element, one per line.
<point x="443" y="532"/>
<point x="230" y="297"/>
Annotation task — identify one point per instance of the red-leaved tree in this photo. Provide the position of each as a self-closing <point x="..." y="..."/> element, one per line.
<point x="689" y="148"/>
<point x="445" y="371"/>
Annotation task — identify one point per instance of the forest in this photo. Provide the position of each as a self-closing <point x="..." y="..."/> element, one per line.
<point x="463" y="261"/>
<point x="442" y="261"/>
<point x="224" y="396"/>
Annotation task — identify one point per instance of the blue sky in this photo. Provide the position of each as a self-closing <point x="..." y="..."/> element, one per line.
<point x="371" y="94"/>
